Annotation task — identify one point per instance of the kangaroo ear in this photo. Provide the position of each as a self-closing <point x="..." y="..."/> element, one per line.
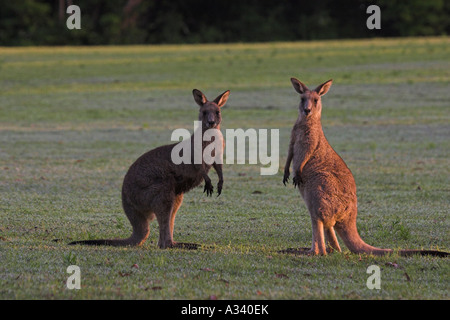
<point x="222" y="99"/>
<point x="199" y="97"/>
<point x="298" y="86"/>
<point x="324" y="87"/>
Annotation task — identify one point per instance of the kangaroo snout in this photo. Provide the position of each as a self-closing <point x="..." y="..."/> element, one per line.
<point x="211" y="120"/>
<point x="211" y="123"/>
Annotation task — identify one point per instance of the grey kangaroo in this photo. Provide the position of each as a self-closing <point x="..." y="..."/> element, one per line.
<point x="325" y="182"/>
<point x="154" y="186"/>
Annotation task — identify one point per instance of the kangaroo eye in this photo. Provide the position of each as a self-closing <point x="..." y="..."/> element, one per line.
<point x="303" y="99"/>
<point x="204" y="113"/>
<point x="315" y="100"/>
<point x="217" y="113"/>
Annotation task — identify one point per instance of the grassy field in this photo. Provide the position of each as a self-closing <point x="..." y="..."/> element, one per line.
<point x="72" y="119"/>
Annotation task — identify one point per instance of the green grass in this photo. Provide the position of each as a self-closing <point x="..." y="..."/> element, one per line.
<point x="73" y="119"/>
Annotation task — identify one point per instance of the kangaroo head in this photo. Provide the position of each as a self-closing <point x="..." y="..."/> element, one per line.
<point x="209" y="112"/>
<point x="310" y="104"/>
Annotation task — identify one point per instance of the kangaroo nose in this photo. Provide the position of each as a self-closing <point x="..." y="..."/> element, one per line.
<point x="211" y="123"/>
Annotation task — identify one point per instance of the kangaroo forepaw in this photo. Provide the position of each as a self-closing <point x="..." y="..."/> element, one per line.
<point x="208" y="189"/>
<point x="219" y="188"/>
<point x="285" y="179"/>
<point x="296" y="181"/>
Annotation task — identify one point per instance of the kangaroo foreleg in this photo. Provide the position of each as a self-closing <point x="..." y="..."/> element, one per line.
<point x="288" y="162"/>
<point x="208" y="185"/>
<point x="218" y="168"/>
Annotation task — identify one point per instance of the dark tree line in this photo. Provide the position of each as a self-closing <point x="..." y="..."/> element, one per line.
<point x="43" y="22"/>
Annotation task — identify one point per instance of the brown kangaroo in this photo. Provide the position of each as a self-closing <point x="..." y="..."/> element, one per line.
<point x="154" y="185"/>
<point x="325" y="182"/>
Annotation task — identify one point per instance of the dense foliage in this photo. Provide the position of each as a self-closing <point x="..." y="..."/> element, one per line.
<point x="43" y="22"/>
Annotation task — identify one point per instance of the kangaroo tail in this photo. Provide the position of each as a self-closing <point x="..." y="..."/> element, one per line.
<point x="140" y="233"/>
<point x="138" y="237"/>
<point x="354" y="243"/>
<point x="436" y="253"/>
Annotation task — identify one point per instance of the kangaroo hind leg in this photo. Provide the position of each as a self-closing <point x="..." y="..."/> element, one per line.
<point x="176" y="205"/>
<point x="318" y="238"/>
<point x="183" y="245"/>
<point x="163" y="211"/>
<point x="139" y="222"/>
<point x="332" y="241"/>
